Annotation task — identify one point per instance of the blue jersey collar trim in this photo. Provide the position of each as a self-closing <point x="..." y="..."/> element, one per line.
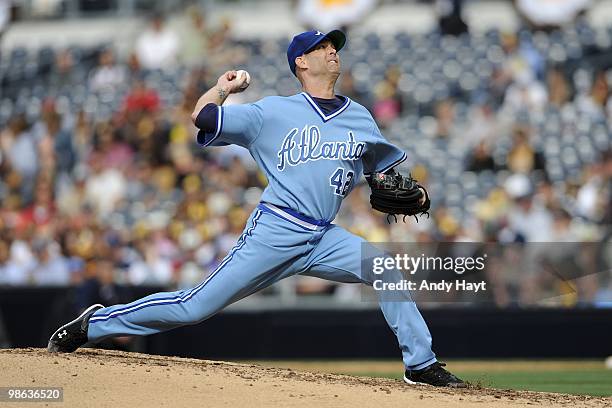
<point x="320" y="112"/>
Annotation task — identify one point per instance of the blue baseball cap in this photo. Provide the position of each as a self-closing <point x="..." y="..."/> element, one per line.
<point x="306" y="41"/>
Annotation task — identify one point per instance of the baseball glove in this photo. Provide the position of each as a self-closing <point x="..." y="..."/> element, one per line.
<point x="395" y="195"/>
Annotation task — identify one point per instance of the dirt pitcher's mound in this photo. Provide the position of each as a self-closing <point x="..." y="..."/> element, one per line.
<point x="94" y="378"/>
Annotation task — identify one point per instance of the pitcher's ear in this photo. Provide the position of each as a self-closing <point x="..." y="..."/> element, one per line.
<point x="301" y="62"/>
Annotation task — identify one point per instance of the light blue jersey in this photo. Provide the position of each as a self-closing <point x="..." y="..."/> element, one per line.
<point x="312" y="161"/>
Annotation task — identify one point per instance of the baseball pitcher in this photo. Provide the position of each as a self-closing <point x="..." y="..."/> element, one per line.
<point x="313" y="147"/>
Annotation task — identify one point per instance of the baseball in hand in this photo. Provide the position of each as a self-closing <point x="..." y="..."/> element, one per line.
<point x="240" y="74"/>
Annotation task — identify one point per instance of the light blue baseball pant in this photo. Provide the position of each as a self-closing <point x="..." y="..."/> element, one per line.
<point x="273" y="246"/>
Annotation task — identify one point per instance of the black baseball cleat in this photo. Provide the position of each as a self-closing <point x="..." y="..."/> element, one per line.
<point x="435" y="375"/>
<point x="72" y="335"/>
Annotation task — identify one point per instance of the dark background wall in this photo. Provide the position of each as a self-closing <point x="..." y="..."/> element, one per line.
<point x="31" y="315"/>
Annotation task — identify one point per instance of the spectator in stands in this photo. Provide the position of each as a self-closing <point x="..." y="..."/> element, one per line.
<point x="562" y="228"/>
<point x="558" y="88"/>
<point x="42" y="210"/>
<point x="82" y="137"/>
<point x="388" y="103"/>
<point x="114" y="151"/>
<point x="180" y="146"/>
<point x="528" y="219"/>
<point x="482" y="125"/>
<point x="521" y="59"/>
<point x="46" y="151"/>
<point x="134" y="67"/>
<point x="108" y="75"/>
<point x="151" y="267"/>
<point x="158" y="46"/>
<point x="594" y="104"/>
<point x="523" y="158"/>
<point x="19" y="147"/>
<point x="592" y="199"/>
<point x="446" y="124"/>
<point x="450" y="19"/>
<point x="194" y="36"/>
<point x="548" y="196"/>
<point x="64" y="75"/>
<point x="104" y="187"/>
<point x="140" y="99"/>
<point x="497" y="86"/>
<point x="525" y="94"/>
<point x="481" y="159"/>
<point x="56" y="150"/>
<point x="11" y="272"/>
<point x="448" y="228"/>
<point x="220" y="52"/>
<point x="51" y="268"/>
<point x="98" y="284"/>
<point x="348" y="88"/>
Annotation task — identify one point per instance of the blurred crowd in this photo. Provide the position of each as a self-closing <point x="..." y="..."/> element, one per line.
<point x="97" y="199"/>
